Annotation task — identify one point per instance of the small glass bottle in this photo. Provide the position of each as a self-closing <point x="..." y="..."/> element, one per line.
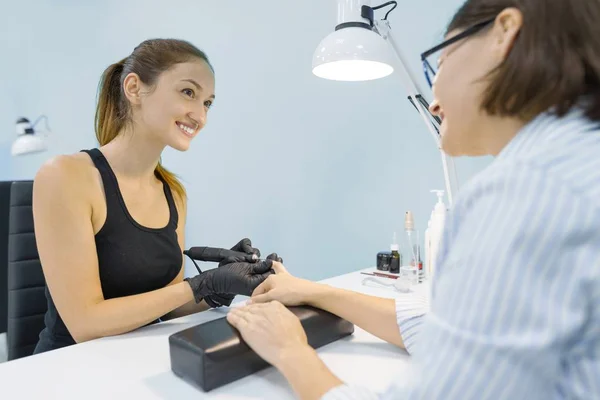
<point x="396" y="260"/>
<point x="419" y="263"/>
<point x="383" y="260"/>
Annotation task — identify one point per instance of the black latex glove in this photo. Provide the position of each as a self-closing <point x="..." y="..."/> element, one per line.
<point x="274" y="257"/>
<point x="232" y="279"/>
<point x="245" y="253"/>
<point x="242" y="251"/>
<point x="225" y="299"/>
<point x="245" y="246"/>
<point x="216" y="300"/>
<point x="216" y="254"/>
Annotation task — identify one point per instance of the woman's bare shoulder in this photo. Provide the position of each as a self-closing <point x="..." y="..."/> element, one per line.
<point x="67" y="171"/>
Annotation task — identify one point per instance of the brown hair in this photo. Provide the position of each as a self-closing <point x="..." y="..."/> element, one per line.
<point x="148" y="61"/>
<point x="555" y="60"/>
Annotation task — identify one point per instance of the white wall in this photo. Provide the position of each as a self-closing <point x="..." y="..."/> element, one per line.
<point x="319" y="171"/>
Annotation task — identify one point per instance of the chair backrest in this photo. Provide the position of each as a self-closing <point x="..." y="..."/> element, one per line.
<point x="4" y="208"/>
<point x="26" y="285"/>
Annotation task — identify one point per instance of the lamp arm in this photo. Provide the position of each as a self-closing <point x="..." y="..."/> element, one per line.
<point x="41" y="117"/>
<point x="414" y="95"/>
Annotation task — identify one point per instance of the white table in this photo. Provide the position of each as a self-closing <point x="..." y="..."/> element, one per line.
<point x="137" y="366"/>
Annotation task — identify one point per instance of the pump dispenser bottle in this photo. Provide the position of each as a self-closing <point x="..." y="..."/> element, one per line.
<point x="413" y="241"/>
<point x="438" y="218"/>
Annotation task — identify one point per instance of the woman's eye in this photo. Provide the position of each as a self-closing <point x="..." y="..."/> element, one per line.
<point x="188" y="92"/>
<point x="208" y="104"/>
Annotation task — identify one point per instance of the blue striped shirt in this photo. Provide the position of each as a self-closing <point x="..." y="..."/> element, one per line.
<point x="515" y="306"/>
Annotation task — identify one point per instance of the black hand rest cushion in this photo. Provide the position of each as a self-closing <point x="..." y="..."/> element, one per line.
<point x="214" y="354"/>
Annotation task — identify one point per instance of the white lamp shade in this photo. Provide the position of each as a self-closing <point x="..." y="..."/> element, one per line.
<point x="28" y="143"/>
<point x="352" y="54"/>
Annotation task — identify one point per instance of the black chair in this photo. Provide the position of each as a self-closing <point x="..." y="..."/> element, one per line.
<point x="4" y="209"/>
<point x="26" y="285"/>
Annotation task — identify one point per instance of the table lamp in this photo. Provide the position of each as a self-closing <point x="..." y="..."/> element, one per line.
<point x="362" y="48"/>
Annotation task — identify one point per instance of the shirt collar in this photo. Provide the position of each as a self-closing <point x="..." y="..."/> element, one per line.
<point x="547" y="127"/>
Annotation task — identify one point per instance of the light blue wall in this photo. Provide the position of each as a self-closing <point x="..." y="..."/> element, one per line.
<point x="320" y="171"/>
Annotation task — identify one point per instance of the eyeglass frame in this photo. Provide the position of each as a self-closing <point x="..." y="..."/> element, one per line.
<point x="427" y="68"/>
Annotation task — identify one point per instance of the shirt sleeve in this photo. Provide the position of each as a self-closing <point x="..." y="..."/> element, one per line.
<point x="410" y="311"/>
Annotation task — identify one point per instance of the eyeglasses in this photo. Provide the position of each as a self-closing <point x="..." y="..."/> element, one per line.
<point x="428" y="69"/>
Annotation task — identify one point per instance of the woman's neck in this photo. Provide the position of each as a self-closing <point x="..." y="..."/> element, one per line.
<point x="499" y="132"/>
<point x="133" y="156"/>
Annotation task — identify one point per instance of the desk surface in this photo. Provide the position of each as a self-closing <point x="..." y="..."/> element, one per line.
<point x="137" y="366"/>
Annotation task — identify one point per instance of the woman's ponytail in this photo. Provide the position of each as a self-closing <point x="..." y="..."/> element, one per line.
<point x="171" y="179"/>
<point x="110" y="111"/>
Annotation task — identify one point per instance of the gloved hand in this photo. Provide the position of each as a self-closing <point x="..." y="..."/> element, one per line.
<point x="274" y="257"/>
<point x="231" y="279"/>
<point x="216" y="254"/>
<point x="241" y="252"/>
<point x="225" y="299"/>
<point x="244" y="252"/>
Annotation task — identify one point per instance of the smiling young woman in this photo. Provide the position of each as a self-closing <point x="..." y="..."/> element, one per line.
<point x="110" y="221"/>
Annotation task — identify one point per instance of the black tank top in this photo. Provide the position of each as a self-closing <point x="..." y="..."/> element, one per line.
<point x="132" y="258"/>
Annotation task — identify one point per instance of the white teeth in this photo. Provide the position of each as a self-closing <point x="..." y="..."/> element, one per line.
<point x="186" y="129"/>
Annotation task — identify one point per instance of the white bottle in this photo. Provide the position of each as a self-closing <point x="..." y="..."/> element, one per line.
<point x="438" y="218"/>
<point x="427" y="247"/>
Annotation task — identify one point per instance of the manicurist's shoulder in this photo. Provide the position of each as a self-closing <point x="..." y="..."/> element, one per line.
<point x="68" y="173"/>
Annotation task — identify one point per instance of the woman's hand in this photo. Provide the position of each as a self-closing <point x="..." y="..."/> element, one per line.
<point x="276" y="335"/>
<point x="236" y="278"/>
<point x="286" y="288"/>
<point x="270" y="329"/>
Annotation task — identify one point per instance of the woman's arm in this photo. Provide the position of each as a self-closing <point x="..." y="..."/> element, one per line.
<point x="375" y="315"/>
<point x="65" y="240"/>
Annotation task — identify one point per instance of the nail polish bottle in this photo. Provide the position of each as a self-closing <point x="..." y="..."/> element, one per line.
<point x="396" y="260"/>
